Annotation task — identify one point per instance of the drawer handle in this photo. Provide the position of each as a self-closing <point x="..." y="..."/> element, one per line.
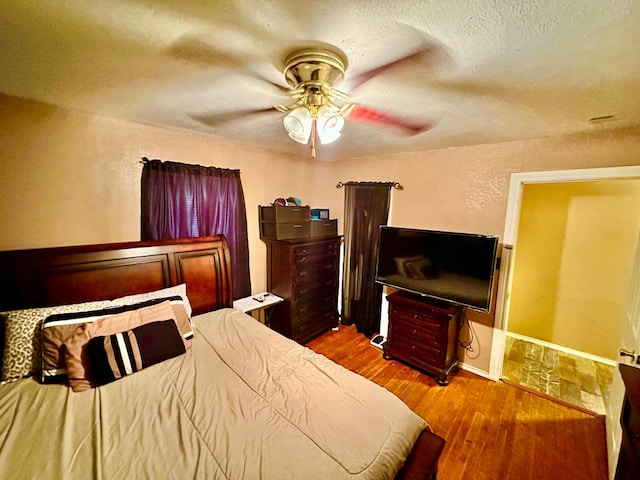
<point x="415" y="315"/>
<point x="413" y="347"/>
<point x="415" y="331"/>
<point x="296" y="226"/>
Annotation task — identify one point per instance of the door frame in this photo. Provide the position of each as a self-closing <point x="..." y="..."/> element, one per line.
<point x="510" y="238"/>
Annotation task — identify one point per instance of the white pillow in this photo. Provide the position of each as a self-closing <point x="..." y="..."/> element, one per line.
<point x="165" y="292"/>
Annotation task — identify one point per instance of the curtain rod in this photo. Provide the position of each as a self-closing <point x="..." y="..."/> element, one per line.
<point x="395" y="185"/>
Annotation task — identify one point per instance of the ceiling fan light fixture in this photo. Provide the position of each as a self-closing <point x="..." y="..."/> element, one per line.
<point x="329" y="124"/>
<point x="298" y="123"/>
<point x="311" y="74"/>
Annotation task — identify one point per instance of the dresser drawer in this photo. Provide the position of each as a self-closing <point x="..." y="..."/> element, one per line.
<point x="423" y="321"/>
<point x="316" y="286"/>
<point x="309" y="326"/>
<point x="316" y="272"/>
<point x="417" y="352"/>
<point x="315" y="302"/>
<point x="304" y="253"/>
<point x="417" y="333"/>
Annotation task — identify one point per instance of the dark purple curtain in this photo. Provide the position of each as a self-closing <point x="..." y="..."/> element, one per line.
<point x="184" y="201"/>
<point x="366" y="207"/>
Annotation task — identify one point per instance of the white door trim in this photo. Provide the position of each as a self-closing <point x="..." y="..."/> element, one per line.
<point x="509" y="240"/>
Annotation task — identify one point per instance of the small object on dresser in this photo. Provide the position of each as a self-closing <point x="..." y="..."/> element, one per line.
<point x="319" y="214"/>
<point x="284" y="223"/>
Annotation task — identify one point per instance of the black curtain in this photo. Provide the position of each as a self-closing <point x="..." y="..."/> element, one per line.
<point x="183" y="201"/>
<point x="366" y="208"/>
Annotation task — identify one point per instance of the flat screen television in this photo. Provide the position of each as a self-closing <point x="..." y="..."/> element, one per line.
<point x="452" y="267"/>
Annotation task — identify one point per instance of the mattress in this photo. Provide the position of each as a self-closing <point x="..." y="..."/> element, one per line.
<point x="242" y="403"/>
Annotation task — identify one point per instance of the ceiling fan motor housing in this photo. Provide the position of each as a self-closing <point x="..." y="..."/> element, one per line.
<point x="314" y="66"/>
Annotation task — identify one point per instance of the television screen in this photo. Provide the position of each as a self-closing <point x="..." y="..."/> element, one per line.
<point x="448" y="266"/>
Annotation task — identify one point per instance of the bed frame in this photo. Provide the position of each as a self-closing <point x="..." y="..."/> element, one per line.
<point x="57" y="276"/>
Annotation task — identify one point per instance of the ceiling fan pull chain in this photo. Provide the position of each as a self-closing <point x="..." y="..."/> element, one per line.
<point x="312" y="140"/>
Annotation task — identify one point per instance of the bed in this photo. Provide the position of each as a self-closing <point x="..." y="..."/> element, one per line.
<point x="235" y="400"/>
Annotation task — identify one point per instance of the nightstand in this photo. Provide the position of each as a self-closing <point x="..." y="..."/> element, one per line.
<point x="258" y="304"/>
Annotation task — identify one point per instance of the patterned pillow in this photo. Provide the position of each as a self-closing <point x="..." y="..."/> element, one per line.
<point x="110" y="357"/>
<point x="57" y="329"/>
<point x="22" y="351"/>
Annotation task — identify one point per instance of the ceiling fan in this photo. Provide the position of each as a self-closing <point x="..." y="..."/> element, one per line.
<point x="319" y="109"/>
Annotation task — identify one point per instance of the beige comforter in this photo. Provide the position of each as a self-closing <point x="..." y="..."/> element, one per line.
<point x="242" y="403"/>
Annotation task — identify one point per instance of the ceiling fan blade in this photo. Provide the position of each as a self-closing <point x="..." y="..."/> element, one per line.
<point x="368" y="115"/>
<point x="222" y="118"/>
<point x="423" y="57"/>
<point x="194" y="50"/>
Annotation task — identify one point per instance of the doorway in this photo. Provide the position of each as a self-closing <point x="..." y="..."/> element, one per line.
<point x="518" y="181"/>
<point x="510" y="237"/>
<point x="571" y="278"/>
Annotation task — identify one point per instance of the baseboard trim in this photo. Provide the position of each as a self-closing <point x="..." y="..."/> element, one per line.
<point x="560" y="348"/>
<point x="475" y="370"/>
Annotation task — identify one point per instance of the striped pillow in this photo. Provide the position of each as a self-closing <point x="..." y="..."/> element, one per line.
<point x="74" y="347"/>
<point x="109" y="358"/>
<point x="57" y="329"/>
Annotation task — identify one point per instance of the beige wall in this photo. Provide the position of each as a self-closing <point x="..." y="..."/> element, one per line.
<point x="572" y="269"/>
<point x="72" y="178"/>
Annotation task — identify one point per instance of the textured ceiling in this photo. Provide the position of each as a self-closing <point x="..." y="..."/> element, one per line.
<point x="479" y="71"/>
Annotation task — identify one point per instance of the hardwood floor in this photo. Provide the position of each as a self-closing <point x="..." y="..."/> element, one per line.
<point x="493" y="430"/>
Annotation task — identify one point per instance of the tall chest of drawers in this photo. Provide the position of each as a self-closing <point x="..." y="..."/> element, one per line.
<point x="304" y="273"/>
<point x="423" y="334"/>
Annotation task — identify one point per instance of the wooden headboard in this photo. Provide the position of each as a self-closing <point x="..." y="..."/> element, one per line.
<point x="64" y="275"/>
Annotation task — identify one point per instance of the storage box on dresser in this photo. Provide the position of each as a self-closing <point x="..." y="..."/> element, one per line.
<point x="423" y="334"/>
<point x="281" y="223"/>
<point x="324" y="228"/>
<point x="305" y="274"/>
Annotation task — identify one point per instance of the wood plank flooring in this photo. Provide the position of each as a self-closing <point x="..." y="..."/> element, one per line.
<point x="493" y="430"/>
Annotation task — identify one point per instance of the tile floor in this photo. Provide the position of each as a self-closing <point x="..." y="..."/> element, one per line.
<point x="572" y="379"/>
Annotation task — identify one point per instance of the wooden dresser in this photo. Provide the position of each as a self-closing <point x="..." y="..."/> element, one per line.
<point x="305" y="273"/>
<point x="423" y="334"/>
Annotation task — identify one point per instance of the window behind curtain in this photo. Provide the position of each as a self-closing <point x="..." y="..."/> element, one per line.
<point x="184" y="201"/>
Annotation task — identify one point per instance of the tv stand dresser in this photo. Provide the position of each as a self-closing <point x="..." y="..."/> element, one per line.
<point x="423" y="333"/>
